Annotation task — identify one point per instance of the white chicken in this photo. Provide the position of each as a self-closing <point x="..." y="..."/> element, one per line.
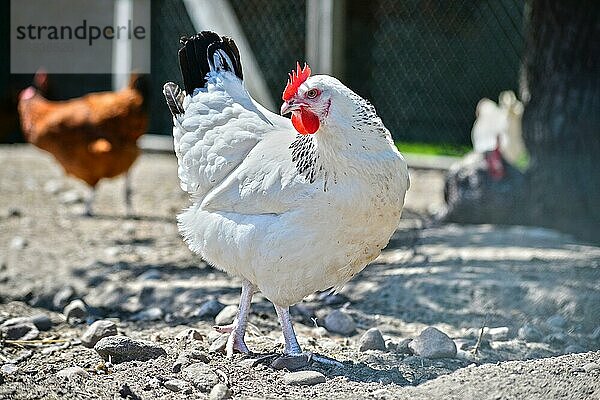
<point x="499" y="125"/>
<point x="290" y="207"/>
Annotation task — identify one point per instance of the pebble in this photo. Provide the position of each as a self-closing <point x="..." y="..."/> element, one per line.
<point x="371" y="340"/>
<point x="433" y="343"/>
<point x="76" y="310"/>
<point x="72" y="372"/>
<point x="70" y="197"/>
<point x="400" y="347"/>
<point x="177" y="385"/>
<point x="150" y="275"/>
<point x="574" y="348"/>
<point x="53" y="186"/>
<point x="41" y="321"/>
<point x="226" y="315"/>
<point x="529" y="333"/>
<point x="150" y="314"/>
<point x="19" y="330"/>
<point x="18" y="243"/>
<point x="123" y="348"/>
<point x="591" y="366"/>
<point x="98" y="330"/>
<point x="9" y="369"/>
<point x="556" y="323"/>
<point x="303" y="378"/>
<point x="218" y="346"/>
<point x="62" y="297"/>
<point x="201" y="376"/>
<point x="187" y="357"/>
<point x="189" y="334"/>
<point x="498" y="333"/>
<point x="339" y="322"/>
<point x="210" y="309"/>
<point x="219" y="392"/>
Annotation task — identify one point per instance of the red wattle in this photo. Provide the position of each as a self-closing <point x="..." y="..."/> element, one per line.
<point x="305" y="122"/>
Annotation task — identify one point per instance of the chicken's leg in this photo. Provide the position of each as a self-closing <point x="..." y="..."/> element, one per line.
<point x="128" y="209"/>
<point x="291" y="343"/>
<point x="237" y="329"/>
<point x="88" y="203"/>
<point x="293" y="356"/>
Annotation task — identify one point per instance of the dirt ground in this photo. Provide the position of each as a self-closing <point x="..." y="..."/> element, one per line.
<point x="454" y="277"/>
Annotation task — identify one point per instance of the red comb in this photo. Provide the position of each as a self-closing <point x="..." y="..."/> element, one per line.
<point x="296" y="79"/>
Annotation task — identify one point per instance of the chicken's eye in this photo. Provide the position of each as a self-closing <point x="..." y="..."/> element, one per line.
<point x="312" y="93"/>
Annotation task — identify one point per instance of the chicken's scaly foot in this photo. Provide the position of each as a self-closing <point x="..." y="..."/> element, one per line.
<point x="237" y="329"/>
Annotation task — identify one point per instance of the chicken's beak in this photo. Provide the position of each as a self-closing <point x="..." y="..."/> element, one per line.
<point x="288" y="107"/>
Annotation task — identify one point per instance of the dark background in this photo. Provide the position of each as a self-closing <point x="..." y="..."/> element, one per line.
<point x="423" y="63"/>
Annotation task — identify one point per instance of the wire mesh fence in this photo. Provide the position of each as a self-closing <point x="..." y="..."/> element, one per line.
<point x="426" y="64"/>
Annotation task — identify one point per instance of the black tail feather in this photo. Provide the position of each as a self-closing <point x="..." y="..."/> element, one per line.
<point x="174" y="96"/>
<point x="196" y="52"/>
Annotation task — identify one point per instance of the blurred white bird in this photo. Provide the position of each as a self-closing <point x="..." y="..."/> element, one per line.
<point x="500" y="124"/>
<point x="290" y="207"/>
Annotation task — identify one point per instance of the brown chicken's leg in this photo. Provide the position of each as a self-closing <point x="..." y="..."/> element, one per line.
<point x="88" y="203"/>
<point x="237" y="329"/>
<point x="128" y="208"/>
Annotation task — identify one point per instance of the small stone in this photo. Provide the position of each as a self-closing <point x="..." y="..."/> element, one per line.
<point x="303" y="378"/>
<point x="16" y="329"/>
<point x="62" y="297"/>
<point x="433" y="343"/>
<point x="227" y="315"/>
<point x="291" y="363"/>
<point x="218" y="346"/>
<point x="371" y="340"/>
<point x="209" y="309"/>
<point x="18" y="243"/>
<point x="400" y="347"/>
<point x="176" y="385"/>
<point x="53" y="186"/>
<point x="76" y="310"/>
<point x="189" y="334"/>
<point x="72" y="372"/>
<point x="530" y="333"/>
<point x="574" y="348"/>
<point x="339" y="322"/>
<point x="71" y="197"/>
<point x="187" y="357"/>
<point x="150" y="275"/>
<point x="219" y="392"/>
<point x="556" y="323"/>
<point x="123" y="348"/>
<point x="42" y="322"/>
<point x="98" y="330"/>
<point x="150" y="314"/>
<point x="201" y="376"/>
<point x="499" y="333"/>
<point x="9" y="369"/>
<point x="591" y="366"/>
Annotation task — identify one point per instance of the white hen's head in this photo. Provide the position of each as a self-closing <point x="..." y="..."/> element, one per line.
<point x="310" y="99"/>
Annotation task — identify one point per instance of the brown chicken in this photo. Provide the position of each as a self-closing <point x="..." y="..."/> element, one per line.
<point x="92" y="137"/>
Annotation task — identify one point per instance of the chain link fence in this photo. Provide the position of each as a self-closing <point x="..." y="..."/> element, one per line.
<point x="423" y="63"/>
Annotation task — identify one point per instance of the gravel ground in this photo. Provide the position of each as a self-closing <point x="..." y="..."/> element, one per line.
<point x="535" y="291"/>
